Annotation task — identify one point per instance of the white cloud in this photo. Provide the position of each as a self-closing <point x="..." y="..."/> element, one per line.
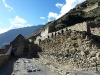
<point x="2" y="30"/>
<point x="17" y="22"/>
<point x="58" y="5"/>
<point x="65" y="8"/>
<point x="42" y="18"/>
<point x="7" y="6"/>
<point x="49" y="20"/>
<point x="68" y="6"/>
<point x="52" y="15"/>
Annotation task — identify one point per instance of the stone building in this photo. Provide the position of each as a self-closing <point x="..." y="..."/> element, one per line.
<point x="43" y="34"/>
<point x="20" y="45"/>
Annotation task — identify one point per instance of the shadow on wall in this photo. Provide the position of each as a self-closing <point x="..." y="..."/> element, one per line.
<point x="33" y="50"/>
<point x="96" y="38"/>
<point x="7" y="69"/>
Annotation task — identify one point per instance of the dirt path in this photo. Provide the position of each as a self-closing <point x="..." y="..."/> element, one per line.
<point x="64" y="69"/>
<point x="24" y="66"/>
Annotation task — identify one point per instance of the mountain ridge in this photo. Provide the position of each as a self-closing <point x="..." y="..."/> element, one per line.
<point x="8" y="36"/>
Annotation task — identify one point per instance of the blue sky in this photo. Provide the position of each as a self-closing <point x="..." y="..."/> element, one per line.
<point x="23" y="13"/>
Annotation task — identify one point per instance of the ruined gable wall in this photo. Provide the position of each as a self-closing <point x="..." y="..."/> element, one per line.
<point x="44" y="32"/>
<point x="43" y="35"/>
<point x="20" y="50"/>
<point x="37" y="40"/>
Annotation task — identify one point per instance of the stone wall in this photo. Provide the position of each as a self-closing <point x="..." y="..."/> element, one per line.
<point x="37" y="40"/>
<point x="79" y="27"/>
<point x="91" y="7"/>
<point x="75" y="48"/>
<point x="45" y="31"/>
<point x="5" y="57"/>
<point x="88" y="27"/>
<point x="20" y="50"/>
<point x="84" y="26"/>
<point x="43" y="35"/>
<point x="3" y="51"/>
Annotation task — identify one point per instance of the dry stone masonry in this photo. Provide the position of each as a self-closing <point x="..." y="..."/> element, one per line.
<point x="76" y="46"/>
<point x="80" y="50"/>
<point x="5" y="57"/>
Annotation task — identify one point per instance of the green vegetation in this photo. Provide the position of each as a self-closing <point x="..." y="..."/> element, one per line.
<point x="95" y="13"/>
<point x="91" y="2"/>
<point x="75" y="15"/>
<point x="60" y="26"/>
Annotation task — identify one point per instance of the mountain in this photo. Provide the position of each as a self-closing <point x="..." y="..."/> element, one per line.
<point x="85" y="11"/>
<point x="7" y="37"/>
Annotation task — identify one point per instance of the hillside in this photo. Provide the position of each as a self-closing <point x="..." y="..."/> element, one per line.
<point x="73" y="50"/>
<point x="76" y="15"/>
<point x="69" y="45"/>
<point x="7" y="37"/>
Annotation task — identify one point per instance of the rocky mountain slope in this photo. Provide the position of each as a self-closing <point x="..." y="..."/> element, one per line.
<point x="76" y="15"/>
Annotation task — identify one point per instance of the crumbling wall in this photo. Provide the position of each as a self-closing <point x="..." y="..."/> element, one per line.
<point x="91" y="28"/>
<point x="74" y="48"/>
<point x="37" y="40"/>
<point x="79" y="27"/>
<point x="19" y="51"/>
<point x="45" y="31"/>
<point x="5" y="57"/>
<point x="3" y="51"/>
<point x="44" y="34"/>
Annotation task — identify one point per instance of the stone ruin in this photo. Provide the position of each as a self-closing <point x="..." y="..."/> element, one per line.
<point x="78" y="49"/>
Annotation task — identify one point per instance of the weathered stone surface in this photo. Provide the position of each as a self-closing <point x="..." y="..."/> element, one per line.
<point x="31" y="67"/>
<point x="82" y="51"/>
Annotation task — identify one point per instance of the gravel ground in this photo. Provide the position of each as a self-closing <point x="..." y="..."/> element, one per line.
<point x="8" y="67"/>
<point x="65" y="70"/>
<point x="24" y="66"/>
